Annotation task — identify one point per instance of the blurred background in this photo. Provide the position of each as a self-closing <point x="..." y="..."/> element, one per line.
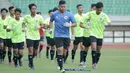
<point x="118" y="11"/>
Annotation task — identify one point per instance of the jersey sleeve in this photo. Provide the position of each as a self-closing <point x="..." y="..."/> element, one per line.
<point x="72" y="18"/>
<point x="88" y="16"/>
<point x="52" y="17"/>
<point x="10" y="23"/>
<point x="25" y="20"/>
<point x="41" y="21"/>
<point x="107" y="19"/>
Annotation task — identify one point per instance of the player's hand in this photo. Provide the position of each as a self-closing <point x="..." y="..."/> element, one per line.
<point x="105" y="23"/>
<point x="50" y="31"/>
<point x="67" y="24"/>
<point x="87" y="27"/>
<point x="72" y="37"/>
<point x="37" y="27"/>
<point x="44" y="30"/>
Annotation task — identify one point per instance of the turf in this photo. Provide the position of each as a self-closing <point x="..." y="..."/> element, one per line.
<point x="112" y="61"/>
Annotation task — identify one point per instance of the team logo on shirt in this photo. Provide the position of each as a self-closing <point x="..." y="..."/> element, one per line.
<point x="101" y="18"/>
<point x="65" y="17"/>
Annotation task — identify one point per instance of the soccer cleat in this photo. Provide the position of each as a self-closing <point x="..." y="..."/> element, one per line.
<point x="20" y="63"/>
<point x="31" y="66"/>
<point x="84" y="64"/>
<point x="62" y="71"/>
<point x="94" y="66"/>
<point x="16" y="66"/>
<point x="58" y="67"/>
<point x="81" y="64"/>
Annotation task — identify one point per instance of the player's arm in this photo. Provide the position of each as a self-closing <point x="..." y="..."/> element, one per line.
<point x="41" y="21"/>
<point x="73" y="21"/>
<point x="107" y="21"/>
<point x="10" y="26"/>
<point x="84" y="20"/>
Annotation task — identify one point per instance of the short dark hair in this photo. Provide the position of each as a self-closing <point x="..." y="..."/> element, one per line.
<point x="62" y="2"/>
<point x="18" y="10"/>
<point x="99" y="5"/>
<point x="39" y="13"/>
<point x="11" y="7"/>
<point x="79" y="5"/>
<point x="55" y="8"/>
<point x="93" y="5"/>
<point x="30" y="5"/>
<point x="4" y="9"/>
<point x="50" y="11"/>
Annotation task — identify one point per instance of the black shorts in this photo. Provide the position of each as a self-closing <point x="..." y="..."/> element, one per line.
<point x="62" y="42"/>
<point x="1" y="40"/>
<point x="18" y="45"/>
<point x="8" y="43"/>
<point x="50" y="41"/>
<point x="98" y="41"/>
<point x="86" y="41"/>
<point x="32" y="43"/>
<point x="42" y="38"/>
<point x="78" y="40"/>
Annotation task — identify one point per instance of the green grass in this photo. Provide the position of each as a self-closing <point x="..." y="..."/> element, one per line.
<point x="112" y="61"/>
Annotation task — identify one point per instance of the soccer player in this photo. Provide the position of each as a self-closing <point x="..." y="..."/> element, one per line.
<point x="50" y="38"/>
<point x="78" y="33"/>
<point x="8" y="44"/>
<point x="18" y="37"/>
<point x="98" y="20"/>
<point x="86" y="38"/>
<point x="32" y="22"/>
<point x="41" y="43"/>
<point x="62" y="19"/>
<point x="3" y="24"/>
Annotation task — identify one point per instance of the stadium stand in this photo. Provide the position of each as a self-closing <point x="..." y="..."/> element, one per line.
<point x="118" y="11"/>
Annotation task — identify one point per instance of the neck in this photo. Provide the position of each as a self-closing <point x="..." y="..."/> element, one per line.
<point x="80" y="13"/>
<point x="33" y="14"/>
<point x="3" y="17"/>
<point x="61" y="11"/>
<point x="97" y="13"/>
<point x="12" y="15"/>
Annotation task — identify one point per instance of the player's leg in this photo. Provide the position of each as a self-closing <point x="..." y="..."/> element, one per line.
<point x="41" y="45"/>
<point x="15" y="54"/>
<point x="73" y="52"/>
<point x="66" y="44"/>
<point x="48" y="47"/>
<point x="59" y="46"/>
<point x="52" y="50"/>
<point x="9" y="45"/>
<point x="1" y="50"/>
<point x="30" y="44"/>
<point x="4" y="49"/>
<point x="35" y="47"/>
<point x="20" y="53"/>
<point x="94" y="53"/>
<point x="99" y="46"/>
<point x="86" y="44"/>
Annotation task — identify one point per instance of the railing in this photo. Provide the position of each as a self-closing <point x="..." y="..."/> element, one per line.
<point x="117" y="36"/>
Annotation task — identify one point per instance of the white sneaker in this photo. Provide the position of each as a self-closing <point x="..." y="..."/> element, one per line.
<point x="94" y="66"/>
<point x="84" y="64"/>
<point x="81" y="64"/>
<point x="63" y="71"/>
<point x="58" y="67"/>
